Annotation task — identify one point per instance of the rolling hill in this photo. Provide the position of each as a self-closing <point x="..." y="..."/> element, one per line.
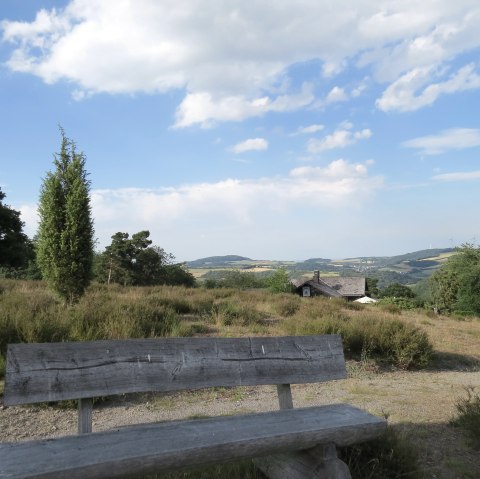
<point x="406" y="268"/>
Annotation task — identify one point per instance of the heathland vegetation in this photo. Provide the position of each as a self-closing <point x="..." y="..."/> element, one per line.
<point x="31" y="313"/>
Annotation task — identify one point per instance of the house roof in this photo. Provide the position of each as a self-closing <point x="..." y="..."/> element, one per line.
<point x="335" y="285"/>
<point x="321" y="287"/>
<point x="346" y="286"/>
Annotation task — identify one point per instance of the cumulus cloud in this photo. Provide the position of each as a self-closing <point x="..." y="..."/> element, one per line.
<point x="341" y="138"/>
<point x="234" y="202"/>
<point x="252" y="144"/>
<point x="29" y="215"/>
<point x="224" y="54"/>
<point x="336" y="94"/>
<point x="308" y="130"/>
<point x="206" y="109"/>
<point x="451" y="139"/>
<point x="458" y="176"/>
<point x="413" y="91"/>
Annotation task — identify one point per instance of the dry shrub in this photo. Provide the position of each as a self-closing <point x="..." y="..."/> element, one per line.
<point x="397" y="342"/>
<point x="468" y="415"/>
<point x="286" y="304"/>
<point x="238" y="313"/>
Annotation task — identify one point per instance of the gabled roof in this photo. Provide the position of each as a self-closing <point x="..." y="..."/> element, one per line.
<point x="320" y="287"/>
<point x="346" y="286"/>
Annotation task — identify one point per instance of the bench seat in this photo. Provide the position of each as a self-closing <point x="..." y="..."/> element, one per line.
<point x="179" y="444"/>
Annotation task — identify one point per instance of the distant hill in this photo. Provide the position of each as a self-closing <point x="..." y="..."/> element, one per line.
<point x="406" y="268"/>
<point x="417" y="256"/>
<point x="216" y="261"/>
<point x="317" y="260"/>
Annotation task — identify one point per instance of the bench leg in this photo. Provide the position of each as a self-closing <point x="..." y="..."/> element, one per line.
<point x="320" y="462"/>
<point x="85" y="407"/>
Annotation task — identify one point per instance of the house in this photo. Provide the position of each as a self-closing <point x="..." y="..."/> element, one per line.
<point x="350" y="288"/>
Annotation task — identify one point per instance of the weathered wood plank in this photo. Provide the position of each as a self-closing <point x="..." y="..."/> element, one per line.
<point x="285" y="400"/>
<point x="85" y="410"/>
<point x="58" y="371"/>
<point x="179" y="444"/>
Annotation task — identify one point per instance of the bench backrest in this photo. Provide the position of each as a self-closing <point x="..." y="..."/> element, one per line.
<point x="75" y="370"/>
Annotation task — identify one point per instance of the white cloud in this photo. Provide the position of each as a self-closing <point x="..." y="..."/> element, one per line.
<point x="363" y="134"/>
<point x="412" y="91"/>
<point x="205" y="109"/>
<point x="309" y="130"/>
<point x="336" y="94"/>
<point x="252" y="144"/>
<point x="340" y="138"/>
<point x="179" y="214"/>
<point x="458" y="176"/>
<point x="452" y="139"/>
<point x="225" y="54"/>
<point x="29" y="215"/>
<point x="233" y="203"/>
<point x="337" y="169"/>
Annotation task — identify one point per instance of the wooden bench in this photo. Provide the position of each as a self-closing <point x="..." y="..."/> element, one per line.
<point x="286" y="443"/>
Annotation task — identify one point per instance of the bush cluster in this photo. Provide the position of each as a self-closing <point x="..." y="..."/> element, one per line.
<point x="401" y="344"/>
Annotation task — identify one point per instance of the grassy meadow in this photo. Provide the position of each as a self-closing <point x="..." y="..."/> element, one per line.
<point x="388" y="350"/>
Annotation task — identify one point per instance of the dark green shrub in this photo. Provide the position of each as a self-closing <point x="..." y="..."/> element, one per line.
<point x="396" y="290"/>
<point x="388" y="304"/>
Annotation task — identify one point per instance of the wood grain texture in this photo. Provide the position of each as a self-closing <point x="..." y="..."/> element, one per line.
<point x="285" y="400"/>
<point x="180" y="444"/>
<point x="58" y="371"/>
<point x="85" y="409"/>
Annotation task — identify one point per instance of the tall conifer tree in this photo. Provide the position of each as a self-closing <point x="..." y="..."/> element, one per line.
<point x="65" y="235"/>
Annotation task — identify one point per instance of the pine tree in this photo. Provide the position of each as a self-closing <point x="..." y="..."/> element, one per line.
<point x="65" y="236"/>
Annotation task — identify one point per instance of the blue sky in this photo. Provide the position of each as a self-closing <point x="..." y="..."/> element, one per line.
<point x="274" y="130"/>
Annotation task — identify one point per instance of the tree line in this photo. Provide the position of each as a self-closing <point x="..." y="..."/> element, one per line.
<point x="62" y="251"/>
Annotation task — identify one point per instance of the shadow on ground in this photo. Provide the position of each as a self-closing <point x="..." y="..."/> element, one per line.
<point x="443" y="361"/>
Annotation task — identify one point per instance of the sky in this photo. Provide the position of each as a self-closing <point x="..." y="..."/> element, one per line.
<point x="270" y="129"/>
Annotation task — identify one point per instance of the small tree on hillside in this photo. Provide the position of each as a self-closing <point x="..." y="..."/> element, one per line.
<point x="279" y="282"/>
<point x="65" y="235"/>
<point x="134" y="261"/>
<point x="455" y="287"/>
